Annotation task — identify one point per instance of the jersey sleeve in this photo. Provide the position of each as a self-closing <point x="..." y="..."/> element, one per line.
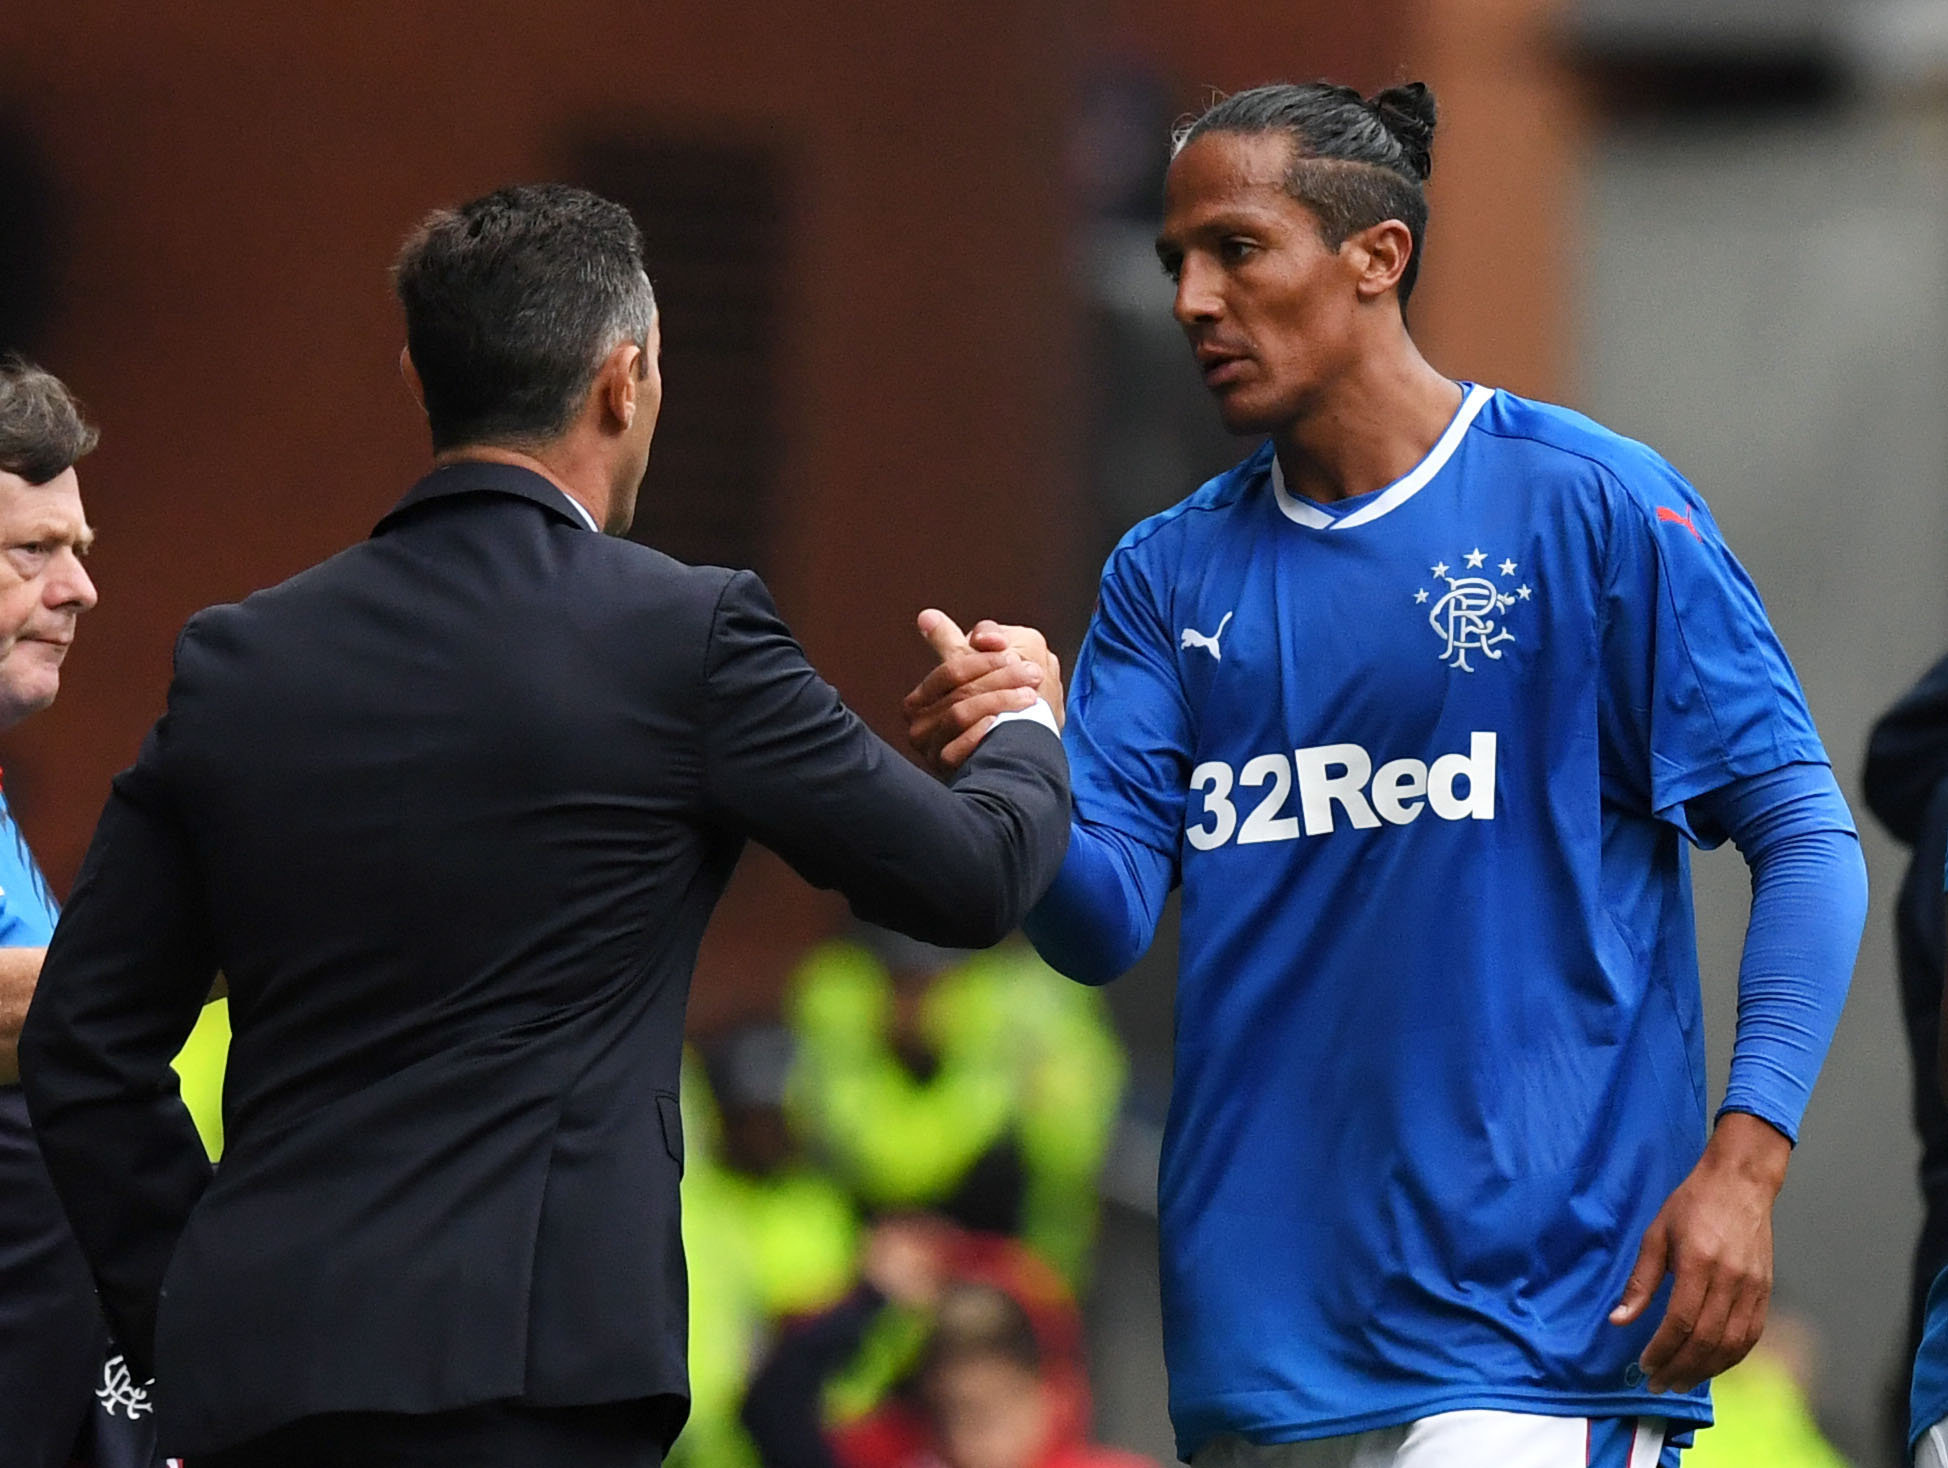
<point x="1698" y="691"/>
<point x="1129" y="726"/>
<point x="27" y="909"/>
<point x="1129" y="741"/>
<point x="21" y="925"/>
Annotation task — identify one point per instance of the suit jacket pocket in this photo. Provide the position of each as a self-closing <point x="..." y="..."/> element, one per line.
<point x="672" y="1118"/>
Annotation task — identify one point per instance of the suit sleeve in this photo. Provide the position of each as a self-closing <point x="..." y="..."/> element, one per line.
<point x="1907" y="756"/>
<point x="127" y="971"/>
<point x="787" y="763"/>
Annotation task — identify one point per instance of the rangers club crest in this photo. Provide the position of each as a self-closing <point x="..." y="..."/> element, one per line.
<point x="121" y="1392"/>
<point x="1470" y="616"/>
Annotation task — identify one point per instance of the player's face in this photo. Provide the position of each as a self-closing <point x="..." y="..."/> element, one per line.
<point x="43" y="588"/>
<point x="1268" y="308"/>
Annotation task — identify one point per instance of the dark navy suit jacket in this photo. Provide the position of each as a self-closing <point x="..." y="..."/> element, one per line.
<point x="1906" y="782"/>
<point x="450" y="812"/>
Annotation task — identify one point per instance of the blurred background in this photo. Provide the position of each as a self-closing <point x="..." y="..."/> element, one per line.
<point x="917" y="351"/>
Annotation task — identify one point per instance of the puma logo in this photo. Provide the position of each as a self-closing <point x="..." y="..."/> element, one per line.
<point x="1672" y="517"/>
<point x="1194" y="638"/>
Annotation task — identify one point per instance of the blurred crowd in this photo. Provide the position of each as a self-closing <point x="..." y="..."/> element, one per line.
<point x="889" y="1205"/>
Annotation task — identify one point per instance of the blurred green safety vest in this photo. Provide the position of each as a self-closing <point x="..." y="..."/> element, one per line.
<point x="1763" y="1422"/>
<point x="1024" y="1055"/>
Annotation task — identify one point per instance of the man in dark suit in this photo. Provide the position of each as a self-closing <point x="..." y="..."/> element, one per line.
<point x="1906" y="783"/>
<point x="450" y="811"/>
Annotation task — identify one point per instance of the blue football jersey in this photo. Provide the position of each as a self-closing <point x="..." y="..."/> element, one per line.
<point x="1420" y="762"/>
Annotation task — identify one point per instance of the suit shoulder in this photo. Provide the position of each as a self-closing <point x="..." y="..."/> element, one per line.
<point x="653" y="572"/>
<point x="222" y="621"/>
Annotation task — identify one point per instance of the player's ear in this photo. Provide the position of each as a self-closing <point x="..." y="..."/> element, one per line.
<point x="619" y="381"/>
<point x="1379" y="256"/>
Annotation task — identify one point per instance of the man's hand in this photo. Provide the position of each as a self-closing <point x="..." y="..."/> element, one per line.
<point x="1714" y="1235"/>
<point x="992" y="670"/>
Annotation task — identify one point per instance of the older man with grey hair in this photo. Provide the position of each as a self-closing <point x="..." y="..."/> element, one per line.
<point x="59" y="1403"/>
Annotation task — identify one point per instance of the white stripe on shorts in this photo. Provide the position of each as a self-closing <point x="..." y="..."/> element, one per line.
<point x="1932" y="1450"/>
<point x="1471" y="1439"/>
<point x="1648" y="1445"/>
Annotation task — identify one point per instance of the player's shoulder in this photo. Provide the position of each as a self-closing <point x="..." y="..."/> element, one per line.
<point x="1208" y="513"/>
<point x="1554" y="441"/>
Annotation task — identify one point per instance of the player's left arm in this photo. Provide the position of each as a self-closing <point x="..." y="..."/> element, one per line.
<point x="1714" y="1234"/>
<point x="1705" y="727"/>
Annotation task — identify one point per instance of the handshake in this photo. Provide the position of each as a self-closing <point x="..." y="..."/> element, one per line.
<point x="988" y="671"/>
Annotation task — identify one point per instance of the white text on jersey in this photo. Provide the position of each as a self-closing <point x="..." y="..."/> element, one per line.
<point x="1342" y="775"/>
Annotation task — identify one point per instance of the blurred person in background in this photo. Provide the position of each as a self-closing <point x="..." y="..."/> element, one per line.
<point x="65" y="1393"/>
<point x="999" y="1380"/>
<point x="1422" y="704"/>
<point x="979" y="1086"/>
<point x="768" y="1237"/>
<point x="1906" y="783"/>
<point x="1762" y="1405"/>
<point x="799" y="1228"/>
<point x="452" y="810"/>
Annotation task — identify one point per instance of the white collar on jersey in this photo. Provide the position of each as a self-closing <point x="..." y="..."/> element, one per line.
<point x="580" y="509"/>
<point x="1304" y="512"/>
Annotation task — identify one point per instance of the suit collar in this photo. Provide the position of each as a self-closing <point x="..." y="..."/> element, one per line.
<point x="473" y="477"/>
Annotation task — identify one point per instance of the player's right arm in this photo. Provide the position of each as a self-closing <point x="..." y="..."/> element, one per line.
<point x="1128" y="735"/>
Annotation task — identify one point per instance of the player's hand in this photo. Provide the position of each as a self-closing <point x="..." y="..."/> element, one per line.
<point x="990" y="636"/>
<point x="954" y="706"/>
<point x="1714" y="1237"/>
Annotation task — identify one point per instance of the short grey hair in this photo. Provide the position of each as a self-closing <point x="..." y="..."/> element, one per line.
<point x="513" y="301"/>
<point x="42" y="432"/>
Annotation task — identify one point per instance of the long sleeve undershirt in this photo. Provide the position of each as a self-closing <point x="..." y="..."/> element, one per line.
<point x="1809" y="903"/>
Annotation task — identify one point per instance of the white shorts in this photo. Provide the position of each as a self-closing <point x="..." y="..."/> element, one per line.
<point x="1931" y="1451"/>
<point x="1467" y="1440"/>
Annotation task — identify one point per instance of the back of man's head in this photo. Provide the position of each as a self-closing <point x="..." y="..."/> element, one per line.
<point x="42" y="431"/>
<point x="513" y="301"/>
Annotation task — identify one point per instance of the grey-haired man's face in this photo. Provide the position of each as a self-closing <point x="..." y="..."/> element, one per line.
<point x="44" y="588"/>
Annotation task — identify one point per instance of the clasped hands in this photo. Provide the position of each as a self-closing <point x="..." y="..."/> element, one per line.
<point x="989" y="670"/>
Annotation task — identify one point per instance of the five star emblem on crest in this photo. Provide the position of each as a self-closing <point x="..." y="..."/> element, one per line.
<point x="1467" y="617"/>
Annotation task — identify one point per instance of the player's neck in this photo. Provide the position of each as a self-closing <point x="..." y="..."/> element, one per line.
<point x="1369" y="427"/>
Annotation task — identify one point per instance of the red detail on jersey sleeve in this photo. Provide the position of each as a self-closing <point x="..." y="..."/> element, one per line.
<point x="1670" y="516"/>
